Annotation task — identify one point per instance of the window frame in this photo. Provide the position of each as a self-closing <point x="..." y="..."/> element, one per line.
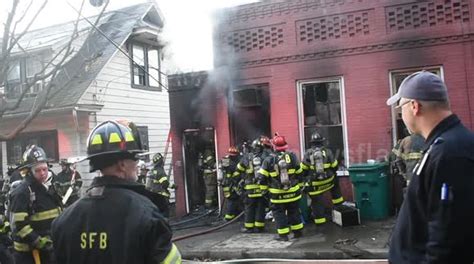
<point x="22" y="139"/>
<point x="24" y="78"/>
<point x="393" y="90"/>
<point x="146" y="49"/>
<point x="301" y="123"/>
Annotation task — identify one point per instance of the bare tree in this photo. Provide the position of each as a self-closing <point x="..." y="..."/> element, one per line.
<point x="11" y="47"/>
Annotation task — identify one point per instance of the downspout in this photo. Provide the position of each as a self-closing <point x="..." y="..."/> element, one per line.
<point x="78" y="135"/>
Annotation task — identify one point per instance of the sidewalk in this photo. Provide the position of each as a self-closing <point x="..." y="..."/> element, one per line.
<point x="366" y="241"/>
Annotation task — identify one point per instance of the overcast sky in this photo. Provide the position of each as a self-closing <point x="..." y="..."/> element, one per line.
<point x="188" y="24"/>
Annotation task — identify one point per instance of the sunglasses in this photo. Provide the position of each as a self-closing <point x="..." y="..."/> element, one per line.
<point x="402" y="104"/>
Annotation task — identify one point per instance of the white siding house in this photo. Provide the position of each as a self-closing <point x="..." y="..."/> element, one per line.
<point x="99" y="83"/>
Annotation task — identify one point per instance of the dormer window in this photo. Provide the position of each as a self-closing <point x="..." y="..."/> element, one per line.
<point x="145" y="67"/>
<point x="21" y="72"/>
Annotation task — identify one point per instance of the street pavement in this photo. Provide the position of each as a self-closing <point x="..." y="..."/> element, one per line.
<point x="367" y="242"/>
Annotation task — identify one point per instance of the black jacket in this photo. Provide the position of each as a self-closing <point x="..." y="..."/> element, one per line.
<point x="32" y="210"/>
<point x="113" y="223"/>
<point x="431" y="230"/>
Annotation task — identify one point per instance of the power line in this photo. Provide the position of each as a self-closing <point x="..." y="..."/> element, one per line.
<point x="119" y="48"/>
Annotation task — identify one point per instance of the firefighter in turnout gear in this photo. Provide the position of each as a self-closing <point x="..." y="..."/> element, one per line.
<point x="320" y="166"/>
<point x="281" y="172"/>
<point x="157" y="182"/>
<point x="32" y="209"/>
<point x="68" y="178"/>
<point x="230" y="184"/>
<point x="407" y="154"/>
<point x="115" y="221"/>
<point x="254" y="202"/>
<point x="403" y="158"/>
<point x="207" y="164"/>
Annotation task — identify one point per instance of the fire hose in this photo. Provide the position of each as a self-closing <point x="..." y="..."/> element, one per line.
<point x="192" y="219"/>
<point x="208" y="230"/>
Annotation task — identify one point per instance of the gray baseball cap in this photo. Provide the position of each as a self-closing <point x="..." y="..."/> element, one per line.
<point x="422" y="85"/>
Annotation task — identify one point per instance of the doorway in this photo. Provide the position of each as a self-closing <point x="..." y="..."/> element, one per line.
<point x="195" y="143"/>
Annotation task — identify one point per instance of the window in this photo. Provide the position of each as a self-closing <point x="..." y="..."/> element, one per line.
<point x="396" y="78"/>
<point x="321" y="111"/>
<point x="21" y="71"/>
<point x="250" y="109"/>
<point x="143" y="131"/>
<point x="145" y="59"/>
<point x="48" y="140"/>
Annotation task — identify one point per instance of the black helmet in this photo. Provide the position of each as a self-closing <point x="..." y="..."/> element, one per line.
<point x="32" y="156"/>
<point x="257" y="145"/>
<point x="114" y="140"/>
<point x="158" y="159"/>
<point x="316" y="138"/>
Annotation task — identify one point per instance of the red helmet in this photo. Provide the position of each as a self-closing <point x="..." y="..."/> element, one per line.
<point x="233" y="151"/>
<point x="279" y="143"/>
<point x="265" y="141"/>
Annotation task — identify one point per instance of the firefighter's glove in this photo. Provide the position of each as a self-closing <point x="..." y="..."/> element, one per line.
<point x="43" y="243"/>
<point x="5" y="227"/>
<point x="173" y="186"/>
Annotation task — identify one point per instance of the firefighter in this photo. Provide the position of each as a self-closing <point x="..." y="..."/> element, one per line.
<point x="142" y="172"/>
<point x="5" y="240"/>
<point x="407" y="154"/>
<point x="157" y="182"/>
<point x="281" y="171"/>
<point x="320" y="166"/>
<point x="402" y="160"/>
<point x="208" y="168"/>
<point x="32" y="210"/>
<point x="115" y="221"/>
<point x="67" y="178"/>
<point x="17" y="173"/>
<point x="254" y="201"/>
<point x="266" y="143"/>
<point x="231" y="179"/>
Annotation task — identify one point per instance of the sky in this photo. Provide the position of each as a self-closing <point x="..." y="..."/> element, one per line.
<point x="188" y="25"/>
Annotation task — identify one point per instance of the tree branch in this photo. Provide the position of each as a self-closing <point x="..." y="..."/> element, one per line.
<point x="42" y="97"/>
<point x="5" y="56"/>
<point x="14" y="39"/>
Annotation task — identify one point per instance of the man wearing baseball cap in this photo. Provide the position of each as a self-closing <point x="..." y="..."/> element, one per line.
<point x="435" y="223"/>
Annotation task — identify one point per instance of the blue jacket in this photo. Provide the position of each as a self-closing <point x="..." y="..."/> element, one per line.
<point x="430" y="229"/>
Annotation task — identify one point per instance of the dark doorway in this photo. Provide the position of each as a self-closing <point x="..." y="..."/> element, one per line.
<point x="195" y="142"/>
<point x="250" y="113"/>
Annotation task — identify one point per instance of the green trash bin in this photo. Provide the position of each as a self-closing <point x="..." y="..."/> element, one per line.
<point x="371" y="184"/>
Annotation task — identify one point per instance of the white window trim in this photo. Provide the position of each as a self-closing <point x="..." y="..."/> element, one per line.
<point x="392" y="92"/>
<point x="299" y="88"/>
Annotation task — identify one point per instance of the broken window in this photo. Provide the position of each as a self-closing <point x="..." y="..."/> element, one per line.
<point x="145" y="67"/>
<point x="400" y="130"/>
<point x="323" y="114"/>
<point x="250" y="112"/>
<point x="143" y="131"/>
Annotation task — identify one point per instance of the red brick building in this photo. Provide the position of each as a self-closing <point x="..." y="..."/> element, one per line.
<point x="300" y="66"/>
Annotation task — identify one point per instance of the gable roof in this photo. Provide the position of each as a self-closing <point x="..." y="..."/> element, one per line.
<point x="82" y="69"/>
